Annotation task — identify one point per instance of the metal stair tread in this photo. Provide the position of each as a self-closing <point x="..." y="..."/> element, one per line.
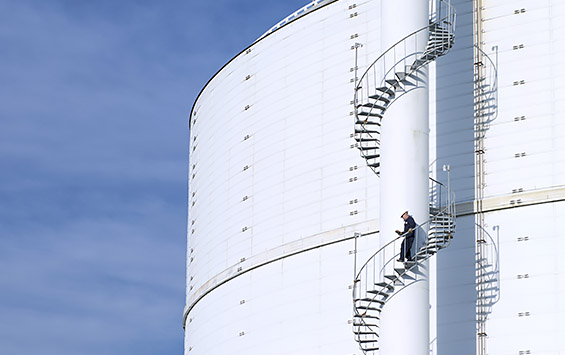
<point x="425" y="250"/>
<point x="358" y="130"/>
<point x="379" y="302"/>
<point x="366" y="122"/>
<point x="488" y="283"/>
<point x="386" y="90"/>
<point x="371" y="156"/>
<point x="373" y="114"/>
<point x="406" y="274"/>
<point x="380" y="97"/>
<point x="365" y="325"/>
<point x="410" y="265"/>
<point x="401" y="76"/>
<point x="365" y="333"/>
<point x="367" y="299"/>
<point x="367" y="308"/>
<point x="379" y="292"/>
<point x="363" y="316"/>
<point x="373" y="105"/>
<point x="366" y="148"/>
<point x="384" y="284"/>
<point x="399" y="270"/>
<point x="393" y="82"/>
<point x="365" y="139"/>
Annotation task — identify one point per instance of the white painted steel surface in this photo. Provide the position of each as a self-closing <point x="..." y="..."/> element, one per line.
<point x="526" y="143"/>
<point x="531" y="310"/>
<point x="528" y="317"/>
<point x="525" y="152"/>
<point x="272" y="173"/>
<point x="404" y="184"/>
<point x="273" y="165"/>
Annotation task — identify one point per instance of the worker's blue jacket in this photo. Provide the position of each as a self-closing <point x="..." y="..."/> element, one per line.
<point x="409" y="223"/>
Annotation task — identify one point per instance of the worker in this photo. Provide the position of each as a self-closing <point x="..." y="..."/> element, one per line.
<point x="408" y="233"/>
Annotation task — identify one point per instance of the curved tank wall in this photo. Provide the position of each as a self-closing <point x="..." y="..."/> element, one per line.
<point x="525" y="175"/>
<point x="523" y="180"/>
<point x="277" y="190"/>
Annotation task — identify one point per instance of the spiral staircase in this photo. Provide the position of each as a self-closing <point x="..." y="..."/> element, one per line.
<point x="379" y="279"/>
<point x="396" y="72"/>
<point x="399" y="70"/>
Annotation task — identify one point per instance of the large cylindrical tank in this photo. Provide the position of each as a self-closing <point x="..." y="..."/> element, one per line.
<point x="278" y="189"/>
<point x="505" y="265"/>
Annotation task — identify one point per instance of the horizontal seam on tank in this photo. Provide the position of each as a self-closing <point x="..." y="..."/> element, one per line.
<point x="185" y="315"/>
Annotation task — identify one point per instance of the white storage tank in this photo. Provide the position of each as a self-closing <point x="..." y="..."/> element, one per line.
<point x="277" y="188"/>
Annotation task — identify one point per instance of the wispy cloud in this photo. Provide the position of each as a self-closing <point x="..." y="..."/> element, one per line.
<point x="92" y="190"/>
<point x="93" y="161"/>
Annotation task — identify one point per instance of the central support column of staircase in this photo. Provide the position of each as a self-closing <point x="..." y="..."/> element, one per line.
<point x="404" y="324"/>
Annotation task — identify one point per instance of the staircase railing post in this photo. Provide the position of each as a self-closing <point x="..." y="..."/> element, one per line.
<point x="447" y="168"/>
<point x="356" y="235"/>
<point x="357" y="45"/>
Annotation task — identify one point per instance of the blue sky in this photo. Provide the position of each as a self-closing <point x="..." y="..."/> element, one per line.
<point x="94" y="98"/>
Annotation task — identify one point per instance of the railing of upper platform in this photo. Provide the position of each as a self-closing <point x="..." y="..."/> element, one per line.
<point x="298" y="13"/>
